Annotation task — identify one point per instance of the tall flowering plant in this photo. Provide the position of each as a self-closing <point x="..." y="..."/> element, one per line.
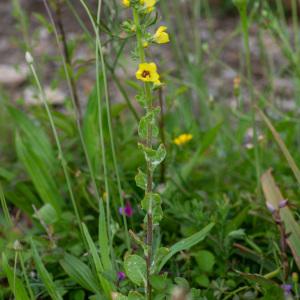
<point x="140" y="269"/>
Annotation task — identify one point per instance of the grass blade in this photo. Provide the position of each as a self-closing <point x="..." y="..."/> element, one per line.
<point x="106" y="286"/>
<point x="282" y="146"/>
<point x="45" y="276"/>
<point x="274" y="196"/>
<point x="15" y="284"/>
<point x="187" y="243"/>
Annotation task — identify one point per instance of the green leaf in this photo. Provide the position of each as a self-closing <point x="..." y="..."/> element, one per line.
<point x="135" y="268"/>
<point x="152" y="202"/>
<point x="106" y="286"/>
<point x="154" y="157"/>
<point x="186" y="243"/>
<point x="47" y="213"/>
<point x="39" y="173"/>
<point x="274" y="197"/>
<point x="90" y="129"/>
<point x="282" y="146"/>
<point x="79" y="272"/>
<point x="141" y="180"/>
<point x="159" y="282"/>
<point x="202" y="280"/>
<point x="45" y="276"/>
<point x="135" y="296"/>
<point x="205" y="260"/>
<point x="15" y="284"/>
<point x="271" y="289"/>
<point x="149" y="120"/>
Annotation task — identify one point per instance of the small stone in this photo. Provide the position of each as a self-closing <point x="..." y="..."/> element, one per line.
<point x="12" y="76"/>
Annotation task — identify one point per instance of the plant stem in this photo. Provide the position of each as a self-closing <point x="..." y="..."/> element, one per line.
<point x="245" y="30"/>
<point x="99" y="54"/>
<point x="162" y="132"/>
<point x="5" y="208"/>
<point x="67" y="57"/>
<point x="149" y="187"/>
<point x="58" y="144"/>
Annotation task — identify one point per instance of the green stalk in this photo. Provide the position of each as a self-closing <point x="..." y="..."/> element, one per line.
<point x="149" y="187"/>
<point x="57" y="141"/>
<point x="26" y="276"/>
<point x="99" y="52"/>
<point x="5" y="208"/>
<point x="295" y="26"/>
<point x="111" y="135"/>
<point x="245" y="31"/>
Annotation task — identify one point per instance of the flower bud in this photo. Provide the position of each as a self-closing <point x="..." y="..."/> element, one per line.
<point x="29" y="58"/>
<point x="295" y="277"/>
<point x="271" y="208"/>
<point x="240" y="4"/>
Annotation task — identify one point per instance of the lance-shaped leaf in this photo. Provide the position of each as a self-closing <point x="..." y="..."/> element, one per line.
<point x="186" y="243"/>
<point x="274" y="197"/>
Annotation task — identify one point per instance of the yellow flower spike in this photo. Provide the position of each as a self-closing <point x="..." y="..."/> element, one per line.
<point x="126" y="3"/>
<point x="161" y="36"/>
<point x="183" y="139"/>
<point x="147" y="72"/>
<point x="149" y="4"/>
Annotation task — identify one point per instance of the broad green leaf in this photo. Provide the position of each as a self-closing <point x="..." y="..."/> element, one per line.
<point x="47" y="213"/>
<point x="159" y="282"/>
<point x="202" y="280"/>
<point x="39" y="173"/>
<point x="44" y="275"/>
<point x="15" y="284"/>
<point x="187" y="243"/>
<point x="79" y="272"/>
<point x="35" y="136"/>
<point x="135" y="268"/>
<point x="205" y="260"/>
<point x="141" y="180"/>
<point x="274" y="197"/>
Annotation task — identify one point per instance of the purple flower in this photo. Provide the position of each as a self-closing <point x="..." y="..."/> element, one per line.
<point x="287" y="288"/>
<point x="271" y="208"/>
<point x="121" y="276"/>
<point x="127" y="210"/>
<point x="283" y="203"/>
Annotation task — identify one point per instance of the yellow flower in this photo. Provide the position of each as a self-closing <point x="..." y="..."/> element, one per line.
<point x="145" y="44"/>
<point x="183" y="139"/>
<point x="149" y="4"/>
<point x="147" y="72"/>
<point x="126" y="3"/>
<point x="161" y="36"/>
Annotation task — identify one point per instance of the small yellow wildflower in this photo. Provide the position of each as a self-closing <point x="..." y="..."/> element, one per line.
<point x="147" y="72"/>
<point x="126" y="3"/>
<point x="145" y="44"/>
<point x="149" y="4"/>
<point x="161" y="36"/>
<point x="183" y="139"/>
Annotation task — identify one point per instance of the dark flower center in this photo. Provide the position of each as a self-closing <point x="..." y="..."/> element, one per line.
<point x="145" y="74"/>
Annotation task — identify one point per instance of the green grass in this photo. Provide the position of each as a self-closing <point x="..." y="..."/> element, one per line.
<point x="197" y="222"/>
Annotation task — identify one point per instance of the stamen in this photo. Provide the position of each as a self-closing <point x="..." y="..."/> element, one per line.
<point x="145" y="74"/>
